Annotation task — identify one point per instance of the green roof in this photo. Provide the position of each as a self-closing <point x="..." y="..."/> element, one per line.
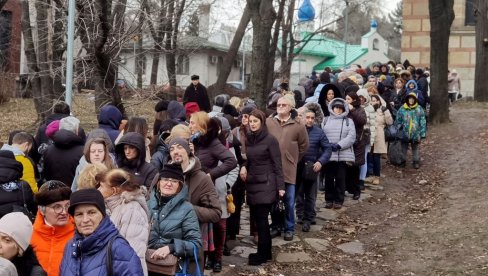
<point x="318" y="45"/>
<point x="353" y="53"/>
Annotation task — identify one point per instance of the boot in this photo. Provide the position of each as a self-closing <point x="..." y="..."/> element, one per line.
<point x="369" y="179"/>
<point x="376" y="180"/>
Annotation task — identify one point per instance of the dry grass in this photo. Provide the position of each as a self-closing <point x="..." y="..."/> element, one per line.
<point x="21" y="114"/>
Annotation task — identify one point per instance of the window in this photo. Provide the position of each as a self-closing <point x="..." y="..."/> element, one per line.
<point x="5" y="39"/>
<point x="141" y="64"/>
<point x="469" y="13"/>
<point x="376" y="44"/>
<point x="183" y="65"/>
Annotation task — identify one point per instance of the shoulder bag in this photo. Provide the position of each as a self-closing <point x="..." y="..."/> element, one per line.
<point x="184" y="269"/>
<point x="165" y="266"/>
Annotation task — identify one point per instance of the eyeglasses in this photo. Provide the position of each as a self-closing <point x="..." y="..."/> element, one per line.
<point x="170" y="180"/>
<point x="58" y="208"/>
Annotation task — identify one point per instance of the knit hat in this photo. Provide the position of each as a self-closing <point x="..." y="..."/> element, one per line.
<point x="161" y="106"/>
<point x="70" y="123"/>
<point x="195" y="77"/>
<point x="18" y="227"/>
<point x="260" y="115"/>
<point x="86" y="196"/>
<point x="247" y="109"/>
<point x="52" y="128"/>
<point x="191" y="107"/>
<point x="181" y="142"/>
<point x="52" y="191"/>
<point x="7" y="268"/>
<point x="173" y="171"/>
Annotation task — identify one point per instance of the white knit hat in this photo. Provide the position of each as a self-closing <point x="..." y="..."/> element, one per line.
<point x="18" y="227"/>
<point x="7" y="268"/>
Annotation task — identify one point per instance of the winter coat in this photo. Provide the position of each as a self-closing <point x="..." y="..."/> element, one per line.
<point x="323" y="97"/>
<point x="453" y="83"/>
<point x="382" y="120"/>
<point x="202" y="193"/>
<point x="318" y="144"/>
<point x="370" y="114"/>
<point x="418" y="93"/>
<point x="223" y="183"/>
<point x="423" y="86"/>
<point x="79" y="168"/>
<point x="240" y="134"/>
<point x="28" y="173"/>
<point x="316" y="94"/>
<point x="176" y="112"/>
<point x="48" y="243"/>
<point x="174" y="224"/>
<point x="346" y="86"/>
<point x="109" y="120"/>
<point x="197" y="94"/>
<point x="14" y="193"/>
<point x="161" y="155"/>
<point x="340" y="130"/>
<point x="28" y="265"/>
<point x="293" y="140"/>
<point x="359" y="117"/>
<point x="62" y="157"/>
<point x="143" y="172"/>
<point x="264" y="170"/>
<point x="210" y="156"/>
<point x="412" y="118"/>
<point x="87" y="256"/>
<point x="128" y="212"/>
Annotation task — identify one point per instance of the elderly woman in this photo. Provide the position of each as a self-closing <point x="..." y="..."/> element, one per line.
<point x="264" y="179"/>
<point x="126" y="203"/>
<point x="95" y="239"/>
<point x="53" y="226"/>
<point x="15" y="236"/>
<point x="174" y="223"/>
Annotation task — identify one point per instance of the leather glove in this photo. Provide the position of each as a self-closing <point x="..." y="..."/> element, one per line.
<point x="335" y="147"/>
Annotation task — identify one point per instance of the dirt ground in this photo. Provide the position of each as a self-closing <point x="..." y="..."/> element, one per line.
<point x="430" y="221"/>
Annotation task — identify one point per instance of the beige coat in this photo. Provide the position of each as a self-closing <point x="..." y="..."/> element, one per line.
<point x="128" y="211"/>
<point x="382" y="120"/>
<point x="293" y="139"/>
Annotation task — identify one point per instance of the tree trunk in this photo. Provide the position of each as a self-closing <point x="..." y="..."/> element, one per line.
<point x="140" y="58"/>
<point x="274" y="44"/>
<point x="263" y="16"/>
<point x="441" y="17"/>
<point x="232" y="53"/>
<point x="170" y="54"/>
<point x="59" y="49"/>
<point x="287" y="43"/>
<point x="480" y="79"/>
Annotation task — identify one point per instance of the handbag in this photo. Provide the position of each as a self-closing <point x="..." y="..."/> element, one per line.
<point x="165" y="266"/>
<point x="308" y="173"/>
<point x="184" y="268"/>
<point x="231" y="207"/>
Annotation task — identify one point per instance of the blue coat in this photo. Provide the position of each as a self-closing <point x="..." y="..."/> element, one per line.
<point x="174" y="224"/>
<point x="318" y="149"/>
<point x="87" y="256"/>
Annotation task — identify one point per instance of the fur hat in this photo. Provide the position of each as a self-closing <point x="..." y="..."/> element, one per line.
<point x="195" y="77"/>
<point x="181" y="142"/>
<point x="18" y="227"/>
<point x="86" y="196"/>
<point x="173" y="171"/>
<point x="230" y="109"/>
<point x="52" y="191"/>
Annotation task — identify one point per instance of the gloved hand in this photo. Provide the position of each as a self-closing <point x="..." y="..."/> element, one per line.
<point x="384" y="109"/>
<point x="335" y="147"/>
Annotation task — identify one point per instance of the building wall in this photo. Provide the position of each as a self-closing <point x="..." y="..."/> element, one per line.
<point x="370" y="57"/>
<point x="416" y="40"/>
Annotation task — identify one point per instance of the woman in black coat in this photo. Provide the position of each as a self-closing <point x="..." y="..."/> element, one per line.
<point x="263" y="175"/>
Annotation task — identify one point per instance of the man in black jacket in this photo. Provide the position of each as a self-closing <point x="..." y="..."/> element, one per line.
<point x="422" y="83"/>
<point x="196" y="92"/>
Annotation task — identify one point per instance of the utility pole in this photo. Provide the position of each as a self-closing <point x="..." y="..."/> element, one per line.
<point x="345" y="34"/>
<point x="69" y="51"/>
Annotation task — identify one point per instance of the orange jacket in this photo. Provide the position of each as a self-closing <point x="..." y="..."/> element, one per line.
<point x="48" y="243"/>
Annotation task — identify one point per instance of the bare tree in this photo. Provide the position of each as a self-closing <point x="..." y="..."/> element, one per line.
<point x="480" y="79"/>
<point x="441" y="18"/>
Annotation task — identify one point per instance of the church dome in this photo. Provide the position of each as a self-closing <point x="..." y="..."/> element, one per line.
<point x="306" y="12"/>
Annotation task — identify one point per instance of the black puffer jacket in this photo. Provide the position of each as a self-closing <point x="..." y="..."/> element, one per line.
<point x="13" y="191"/>
<point x="210" y="156"/>
<point x="143" y="172"/>
<point x="62" y="157"/>
<point x="264" y="170"/>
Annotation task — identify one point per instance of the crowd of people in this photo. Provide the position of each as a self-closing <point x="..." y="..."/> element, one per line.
<point x="117" y="200"/>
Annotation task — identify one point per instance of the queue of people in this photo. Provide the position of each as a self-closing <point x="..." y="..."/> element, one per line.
<point x="120" y="202"/>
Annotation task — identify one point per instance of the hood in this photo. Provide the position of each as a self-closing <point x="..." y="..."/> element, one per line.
<point x="10" y="170"/>
<point x="323" y="95"/>
<point x="364" y="93"/>
<point x="176" y="111"/>
<point x="97" y="241"/>
<point x="409" y="82"/>
<point x="341" y="101"/>
<point x="410" y="95"/>
<point x="317" y="109"/>
<point x="194" y="166"/>
<point x="133" y="139"/>
<point x="13" y="149"/>
<point x="388" y="82"/>
<point x="66" y="139"/>
<point x="138" y="196"/>
<point x="110" y="116"/>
